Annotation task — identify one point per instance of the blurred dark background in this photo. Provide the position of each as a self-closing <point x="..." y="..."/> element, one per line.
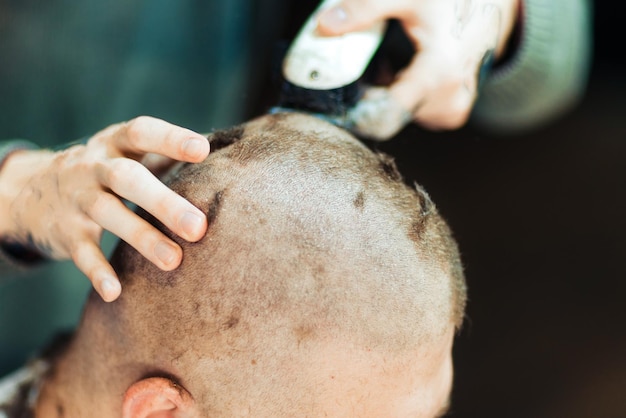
<point x="540" y="219"/>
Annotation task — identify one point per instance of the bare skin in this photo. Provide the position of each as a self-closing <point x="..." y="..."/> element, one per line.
<point x="60" y="202"/>
<point x="317" y="379"/>
<point x="439" y="87"/>
<point x="325" y="286"/>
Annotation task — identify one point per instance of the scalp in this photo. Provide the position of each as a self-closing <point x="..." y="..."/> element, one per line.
<point x="311" y="236"/>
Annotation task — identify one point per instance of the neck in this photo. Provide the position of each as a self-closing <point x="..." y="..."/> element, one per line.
<point x="60" y="396"/>
<point x="77" y="386"/>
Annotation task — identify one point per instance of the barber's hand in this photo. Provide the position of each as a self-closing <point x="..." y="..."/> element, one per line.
<point x="439" y="87"/>
<point x="62" y="201"/>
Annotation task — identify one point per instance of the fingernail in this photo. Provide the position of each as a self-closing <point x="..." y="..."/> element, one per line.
<point x="110" y="289"/>
<point x="191" y="223"/>
<point x="335" y="17"/>
<point x="165" y="252"/>
<point x="194" y="147"/>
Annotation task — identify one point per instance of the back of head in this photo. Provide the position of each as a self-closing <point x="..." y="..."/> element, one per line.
<point x="313" y="242"/>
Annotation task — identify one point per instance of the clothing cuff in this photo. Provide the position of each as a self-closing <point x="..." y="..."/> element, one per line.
<point x="547" y="73"/>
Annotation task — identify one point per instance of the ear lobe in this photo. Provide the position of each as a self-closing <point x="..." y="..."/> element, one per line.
<point x="157" y="397"/>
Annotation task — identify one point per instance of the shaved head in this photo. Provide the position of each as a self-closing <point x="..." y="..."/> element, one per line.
<point x="317" y="256"/>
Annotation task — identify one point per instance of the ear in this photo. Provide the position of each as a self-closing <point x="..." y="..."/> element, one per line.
<point x="158" y="397"/>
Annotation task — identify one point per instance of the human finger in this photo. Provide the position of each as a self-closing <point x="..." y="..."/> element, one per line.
<point x="89" y="259"/>
<point x="353" y="15"/>
<point x="111" y="214"/>
<point x="146" y="134"/>
<point x="134" y="182"/>
<point x="438" y="88"/>
<point x="434" y="91"/>
<point x="448" y="71"/>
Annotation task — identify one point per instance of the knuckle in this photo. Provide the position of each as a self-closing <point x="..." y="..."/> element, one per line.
<point x="462" y="108"/>
<point x="99" y="205"/>
<point x="121" y="172"/>
<point x="446" y="116"/>
<point x="104" y="141"/>
<point x="136" y="128"/>
<point x="93" y="231"/>
<point x="75" y="151"/>
<point x="79" y="251"/>
<point x="455" y="123"/>
<point x="456" y="119"/>
<point x="116" y="173"/>
<point x="66" y="158"/>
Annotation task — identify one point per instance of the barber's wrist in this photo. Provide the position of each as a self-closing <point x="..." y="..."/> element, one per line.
<point x="8" y="173"/>
<point x="16" y="168"/>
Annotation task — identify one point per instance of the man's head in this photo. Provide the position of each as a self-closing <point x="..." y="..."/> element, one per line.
<point x="324" y="287"/>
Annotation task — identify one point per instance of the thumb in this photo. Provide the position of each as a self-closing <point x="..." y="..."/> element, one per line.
<point x="352" y="15"/>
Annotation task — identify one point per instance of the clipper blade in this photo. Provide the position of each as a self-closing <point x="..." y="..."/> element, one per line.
<point x="331" y="105"/>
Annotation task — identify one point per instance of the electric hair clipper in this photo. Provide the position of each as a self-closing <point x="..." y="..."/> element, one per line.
<point x="321" y="73"/>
